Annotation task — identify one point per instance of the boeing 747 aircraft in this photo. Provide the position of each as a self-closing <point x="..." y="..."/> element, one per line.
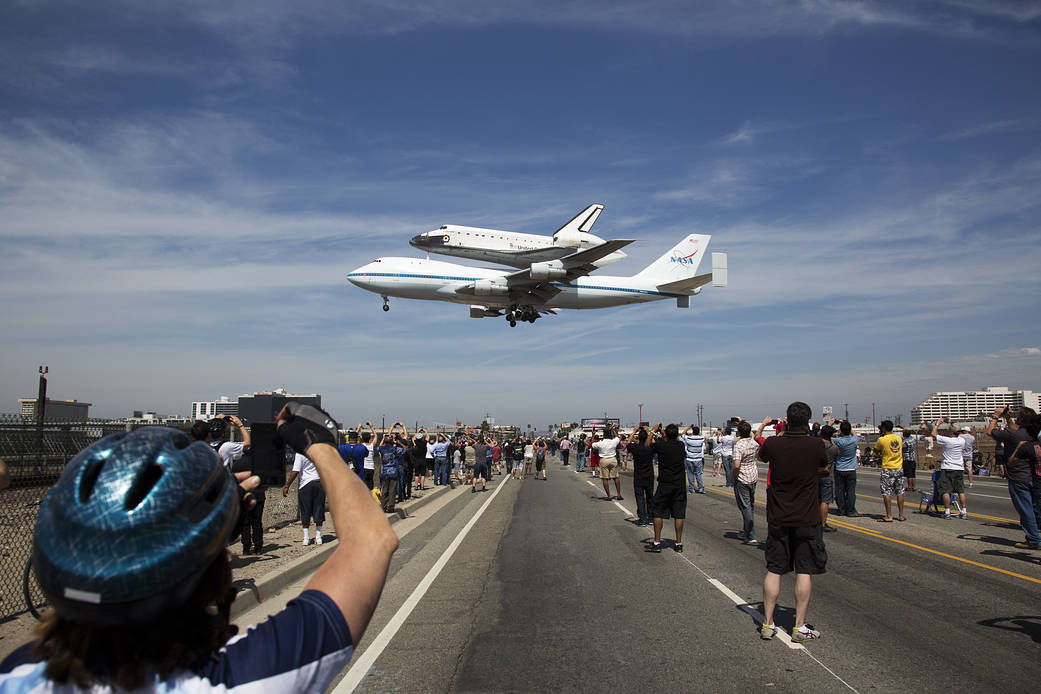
<point x="544" y="287"/>
<point x="514" y="249"/>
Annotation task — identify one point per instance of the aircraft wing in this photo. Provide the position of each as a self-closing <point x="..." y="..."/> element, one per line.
<point x="568" y="268"/>
<point x="534" y="284"/>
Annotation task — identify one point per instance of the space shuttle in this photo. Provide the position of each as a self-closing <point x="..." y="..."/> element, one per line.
<point x="515" y="249"/>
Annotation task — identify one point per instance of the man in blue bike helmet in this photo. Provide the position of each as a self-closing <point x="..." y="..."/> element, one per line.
<point x="129" y="547"/>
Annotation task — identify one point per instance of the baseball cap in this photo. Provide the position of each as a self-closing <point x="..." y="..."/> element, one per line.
<point x="966" y="429"/>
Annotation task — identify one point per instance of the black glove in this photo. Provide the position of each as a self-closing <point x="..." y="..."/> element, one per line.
<point x="300" y="426"/>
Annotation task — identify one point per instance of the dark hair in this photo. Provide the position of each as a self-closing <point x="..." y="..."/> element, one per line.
<point x="366" y="436"/>
<point x="200" y="430"/>
<point x="641" y="435"/>
<point x="744" y="430"/>
<point x="886" y="425"/>
<point x="827" y="431"/>
<point x="1032" y="423"/>
<point x="1025" y="415"/>
<point x="696" y="430"/>
<point x="672" y="432"/>
<point x="844" y="428"/>
<point x="798" y="415"/>
<point x="727" y="430"/>
<point x="180" y="638"/>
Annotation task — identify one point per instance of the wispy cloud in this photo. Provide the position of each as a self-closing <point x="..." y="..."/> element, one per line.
<point x="998" y="127"/>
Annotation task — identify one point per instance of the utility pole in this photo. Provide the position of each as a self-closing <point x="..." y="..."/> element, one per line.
<point x="639" y="419"/>
<point x="846" y="406"/>
<point x="41" y="406"/>
<point x="701" y="412"/>
<point x="872" y="414"/>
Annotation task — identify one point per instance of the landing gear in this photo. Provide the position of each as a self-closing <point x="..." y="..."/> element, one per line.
<point x="522" y="313"/>
<point x="386" y="304"/>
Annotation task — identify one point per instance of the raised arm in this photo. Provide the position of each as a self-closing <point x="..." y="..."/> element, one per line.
<point x="354" y="574"/>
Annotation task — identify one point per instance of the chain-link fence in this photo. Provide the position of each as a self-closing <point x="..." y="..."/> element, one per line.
<point x="35" y="457"/>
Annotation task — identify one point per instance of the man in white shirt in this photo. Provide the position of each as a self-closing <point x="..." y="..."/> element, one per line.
<point x="212" y="432"/>
<point x="726" y="444"/>
<point x="952" y="469"/>
<point x="607" y="448"/>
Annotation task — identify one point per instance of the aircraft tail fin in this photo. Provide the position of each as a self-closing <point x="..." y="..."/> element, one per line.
<point x="680" y="263"/>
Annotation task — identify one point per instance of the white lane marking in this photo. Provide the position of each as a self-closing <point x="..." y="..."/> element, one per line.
<point x="364" y="663"/>
<point x="746" y="607"/>
<point x="623" y="508"/>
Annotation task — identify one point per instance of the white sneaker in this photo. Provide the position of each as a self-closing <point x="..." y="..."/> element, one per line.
<point x="805" y="633"/>
<point x="318" y="540"/>
<point x="964" y="515"/>
<point x="306" y="542"/>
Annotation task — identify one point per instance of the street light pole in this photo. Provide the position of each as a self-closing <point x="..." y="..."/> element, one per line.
<point x="639" y="421"/>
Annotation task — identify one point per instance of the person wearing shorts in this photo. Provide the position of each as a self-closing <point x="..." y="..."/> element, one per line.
<point x="607" y="449"/>
<point x="480" y="464"/>
<point x="891" y="480"/>
<point x="540" y="458"/>
<point x="670" y="498"/>
<point x="517" y="447"/>
<point x="910" y="461"/>
<point x="795" y="541"/>
<point x="952" y="470"/>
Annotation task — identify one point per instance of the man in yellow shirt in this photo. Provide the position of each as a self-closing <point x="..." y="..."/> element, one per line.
<point x="893" y="483"/>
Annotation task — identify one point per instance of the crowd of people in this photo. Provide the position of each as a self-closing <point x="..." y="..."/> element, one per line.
<point x="164" y="618"/>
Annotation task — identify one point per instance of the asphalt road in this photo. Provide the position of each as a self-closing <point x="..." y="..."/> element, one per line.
<point x="539" y="586"/>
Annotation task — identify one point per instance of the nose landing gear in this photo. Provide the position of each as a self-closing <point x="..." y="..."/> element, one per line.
<point x="386" y="304"/>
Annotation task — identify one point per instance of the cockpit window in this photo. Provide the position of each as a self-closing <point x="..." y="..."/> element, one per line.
<point x="444" y="227"/>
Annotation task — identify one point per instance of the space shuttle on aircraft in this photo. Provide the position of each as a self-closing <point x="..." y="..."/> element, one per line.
<point x="515" y="249"/>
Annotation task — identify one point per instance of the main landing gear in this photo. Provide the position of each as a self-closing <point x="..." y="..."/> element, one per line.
<point x="386" y="304"/>
<point x="523" y="313"/>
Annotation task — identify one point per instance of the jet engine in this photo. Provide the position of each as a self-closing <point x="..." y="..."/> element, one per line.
<point x="484" y="312"/>
<point x="551" y="270"/>
<point x="490" y="288"/>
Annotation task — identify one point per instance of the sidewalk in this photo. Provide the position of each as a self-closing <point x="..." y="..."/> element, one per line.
<point x="286" y="559"/>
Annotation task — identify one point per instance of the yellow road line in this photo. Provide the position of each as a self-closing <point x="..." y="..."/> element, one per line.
<point x="872" y="533"/>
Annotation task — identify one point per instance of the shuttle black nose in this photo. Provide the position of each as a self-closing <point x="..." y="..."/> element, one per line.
<point x="427" y="240"/>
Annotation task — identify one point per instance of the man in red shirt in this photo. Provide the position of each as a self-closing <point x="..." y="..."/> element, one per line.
<point x="795" y="541"/>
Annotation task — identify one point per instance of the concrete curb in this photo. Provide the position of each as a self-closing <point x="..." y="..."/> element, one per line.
<point x="256" y="592"/>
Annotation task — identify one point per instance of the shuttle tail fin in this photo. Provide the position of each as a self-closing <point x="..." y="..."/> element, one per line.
<point x="570" y="233"/>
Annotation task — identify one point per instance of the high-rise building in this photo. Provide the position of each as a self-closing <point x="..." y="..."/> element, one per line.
<point x="211" y="408"/>
<point x="967" y="406"/>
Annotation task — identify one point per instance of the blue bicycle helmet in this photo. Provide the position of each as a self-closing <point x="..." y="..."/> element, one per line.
<point x="131" y="526"/>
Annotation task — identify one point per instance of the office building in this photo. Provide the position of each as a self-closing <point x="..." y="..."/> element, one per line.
<point x="971" y="406"/>
<point x="209" y="409"/>
<point x="264" y="406"/>
<point x="55" y="410"/>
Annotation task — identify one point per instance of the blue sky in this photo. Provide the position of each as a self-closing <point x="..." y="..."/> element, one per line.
<point x="184" y="186"/>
